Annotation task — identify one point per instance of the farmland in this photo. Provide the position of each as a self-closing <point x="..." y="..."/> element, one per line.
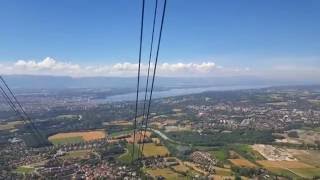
<point x="150" y="149"/>
<point x="76" y="137"/>
<point x="127" y="156"/>
<point x="166" y="173"/>
<point x="10" y="125"/>
<point x="25" y="169"/>
<point x="242" y="163"/>
<point x="81" y="154"/>
<point x="296" y="167"/>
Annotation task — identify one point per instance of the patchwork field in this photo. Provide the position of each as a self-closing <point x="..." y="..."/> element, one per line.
<point x="311" y="157"/>
<point x="151" y="149"/>
<point x="76" y="137"/>
<point x="242" y="163"/>
<point x="296" y="168"/>
<point x="166" y="173"/>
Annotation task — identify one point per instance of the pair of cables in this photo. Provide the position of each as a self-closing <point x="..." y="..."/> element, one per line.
<point x="147" y="100"/>
<point x="17" y="108"/>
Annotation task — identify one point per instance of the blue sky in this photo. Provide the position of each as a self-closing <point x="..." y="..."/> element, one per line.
<point x="242" y="33"/>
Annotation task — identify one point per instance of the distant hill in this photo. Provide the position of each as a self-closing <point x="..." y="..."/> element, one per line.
<point x="62" y="82"/>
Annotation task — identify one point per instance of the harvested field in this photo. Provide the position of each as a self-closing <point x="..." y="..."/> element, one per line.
<point x="181" y="168"/>
<point x="139" y="136"/>
<point x="242" y="163"/>
<point x="286" y="164"/>
<point x="223" y="171"/>
<point x="65" y="138"/>
<point x="273" y="153"/>
<point x="311" y="157"/>
<point x="293" y="169"/>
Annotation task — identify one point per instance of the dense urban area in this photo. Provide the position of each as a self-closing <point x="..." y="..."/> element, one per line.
<point x="266" y="133"/>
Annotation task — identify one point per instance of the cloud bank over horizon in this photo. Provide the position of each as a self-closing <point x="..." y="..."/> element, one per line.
<point x="50" y="66"/>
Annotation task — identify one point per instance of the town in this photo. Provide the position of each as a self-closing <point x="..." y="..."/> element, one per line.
<point x="240" y="134"/>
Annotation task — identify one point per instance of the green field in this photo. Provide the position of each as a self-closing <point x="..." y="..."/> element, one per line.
<point x="127" y="156"/>
<point x="247" y="152"/>
<point x="114" y="134"/>
<point x="24" y="169"/>
<point x="283" y="172"/>
<point x="67" y="140"/>
<point x="81" y="154"/>
<point x="150" y="149"/>
<point x="221" y="154"/>
<point x="307" y="172"/>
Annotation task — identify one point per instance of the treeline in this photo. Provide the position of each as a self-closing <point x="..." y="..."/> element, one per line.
<point x="222" y="138"/>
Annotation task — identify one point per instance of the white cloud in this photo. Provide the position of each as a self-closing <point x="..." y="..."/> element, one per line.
<point x="50" y="66"/>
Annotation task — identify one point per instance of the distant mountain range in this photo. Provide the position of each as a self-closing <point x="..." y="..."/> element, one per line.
<point x="62" y="82"/>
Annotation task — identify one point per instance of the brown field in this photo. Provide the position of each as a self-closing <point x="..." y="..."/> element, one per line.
<point x="242" y="163"/>
<point x="222" y="171"/>
<point x="86" y="136"/>
<point x="10" y="125"/>
<point x="282" y="164"/>
<point x="311" y="157"/>
<point x="139" y="136"/>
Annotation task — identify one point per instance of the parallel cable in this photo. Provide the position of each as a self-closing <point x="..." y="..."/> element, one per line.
<point x="154" y="72"/>
<point x="22" y="110"/>
<point x="138" y="82"/>
<point x="13" y="107"/>
<point x="149" y="64"/>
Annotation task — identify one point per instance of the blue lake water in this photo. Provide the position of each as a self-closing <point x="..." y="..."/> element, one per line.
<point x="177" y="92"/>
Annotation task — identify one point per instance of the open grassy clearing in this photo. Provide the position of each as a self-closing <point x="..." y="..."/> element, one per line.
<point x="25" y="169"/>
<point x="166" y="173"/>
<point x="76" y="137"/>
<point x="121" y="133"/>
<point x="80" y="154"/>
<point x="151" y="149"/>
<point x="127" y="156"/>
<point x="221" y="154"/>
<point x="67" y="140"/>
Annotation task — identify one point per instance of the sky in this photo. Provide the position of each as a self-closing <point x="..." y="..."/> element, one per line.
<point x="200" y="38"/>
